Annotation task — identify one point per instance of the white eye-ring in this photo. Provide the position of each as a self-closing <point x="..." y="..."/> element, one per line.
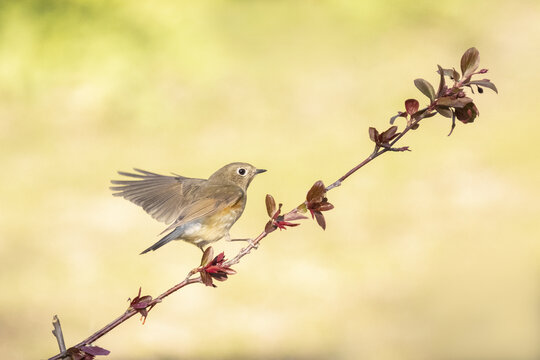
<point x="241" y="171"/>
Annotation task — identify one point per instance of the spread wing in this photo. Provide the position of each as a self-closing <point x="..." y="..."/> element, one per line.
<point x="210" y="200"/>
<point x="165" y="198"/>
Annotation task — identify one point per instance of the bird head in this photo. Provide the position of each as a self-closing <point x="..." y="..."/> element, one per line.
<point x="236" y="173"/>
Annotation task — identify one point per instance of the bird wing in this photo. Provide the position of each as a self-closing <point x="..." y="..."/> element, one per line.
<point x="163" y="197"/>
<point x="210" y="200"/>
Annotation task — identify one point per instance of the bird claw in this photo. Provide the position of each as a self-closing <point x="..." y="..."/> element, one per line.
<point x="253" y="244"/>
<point x="249" y="241"/>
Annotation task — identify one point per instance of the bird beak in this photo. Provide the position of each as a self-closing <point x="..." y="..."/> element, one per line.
<point x="259" y="171"/>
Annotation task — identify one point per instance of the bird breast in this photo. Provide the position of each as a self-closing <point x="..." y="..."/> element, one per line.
<point x="214" y="227"/>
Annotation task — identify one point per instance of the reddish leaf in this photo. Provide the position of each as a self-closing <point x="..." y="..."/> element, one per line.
<point x="384" y="138"/>
<point x="373" y="134"/>
<point x="317" y="202"/>
<point x="453" y="123"/>
<point x="220" y="276"/>
<point x="411" y="106"/>
<point x="207" y="257"/>
<point x="142" y="304"/>
<point x="325" y="206"/>
<point x="388" y="135"/>
<point x="316" y="192"/>
<point x="270" y="205"/>
<point x="269" y="227"/>
<point x="294" y="215"/>
<point x="220" y="258"/>
<point x="467" y="114"/>
<point x="95" y="350"/>
<point x="470" y="61"/>
<point x="320" y="219"/>
<point x="86" y="352"/>
<point x="206" y="279"/>
<point x="215" y="269"/>
<point x="281" y="224"/>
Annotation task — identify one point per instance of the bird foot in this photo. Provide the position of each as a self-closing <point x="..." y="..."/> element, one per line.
<point x="253" y="244"/>
<point x="250" y="241"/>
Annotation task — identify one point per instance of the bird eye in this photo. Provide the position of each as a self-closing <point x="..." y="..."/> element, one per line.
<point x="241" y="171"/>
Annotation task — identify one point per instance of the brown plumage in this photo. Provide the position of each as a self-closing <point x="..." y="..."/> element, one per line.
<point x="198" y="211"/>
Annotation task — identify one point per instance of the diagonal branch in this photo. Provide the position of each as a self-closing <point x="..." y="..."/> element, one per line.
<point x="450" y="102"/>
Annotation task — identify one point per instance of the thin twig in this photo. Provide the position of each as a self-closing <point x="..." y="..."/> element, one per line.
<point x="377" y="152"/>
<point x="338" y="182"/>
<point x="57" y="332"/>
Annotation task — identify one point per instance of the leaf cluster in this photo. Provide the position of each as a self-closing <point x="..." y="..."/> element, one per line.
<point x="450" y="99"/>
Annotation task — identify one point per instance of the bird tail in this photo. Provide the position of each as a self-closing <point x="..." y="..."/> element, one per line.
<point x="167" y="238"/>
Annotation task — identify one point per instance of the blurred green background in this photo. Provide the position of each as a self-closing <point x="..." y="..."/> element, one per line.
<point x="432" y="254"/>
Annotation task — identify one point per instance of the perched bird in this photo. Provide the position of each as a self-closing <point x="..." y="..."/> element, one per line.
<point x="199" y="211"/>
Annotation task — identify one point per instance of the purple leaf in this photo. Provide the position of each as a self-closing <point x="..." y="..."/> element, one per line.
<point x="95" y="350"/>
<point x="373" y="134"/>
<point x="207" y="257"/>
<point x="320" y="219"/>
<point x="270" y="205"/>
<point x="411" y="106"/>
<point x="470" y="61"/>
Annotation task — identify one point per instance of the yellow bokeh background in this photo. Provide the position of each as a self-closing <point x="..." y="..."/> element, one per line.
<point x="432" y="254"/>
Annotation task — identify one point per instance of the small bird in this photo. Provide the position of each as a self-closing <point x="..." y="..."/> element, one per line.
<point x="199" y="211"/>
